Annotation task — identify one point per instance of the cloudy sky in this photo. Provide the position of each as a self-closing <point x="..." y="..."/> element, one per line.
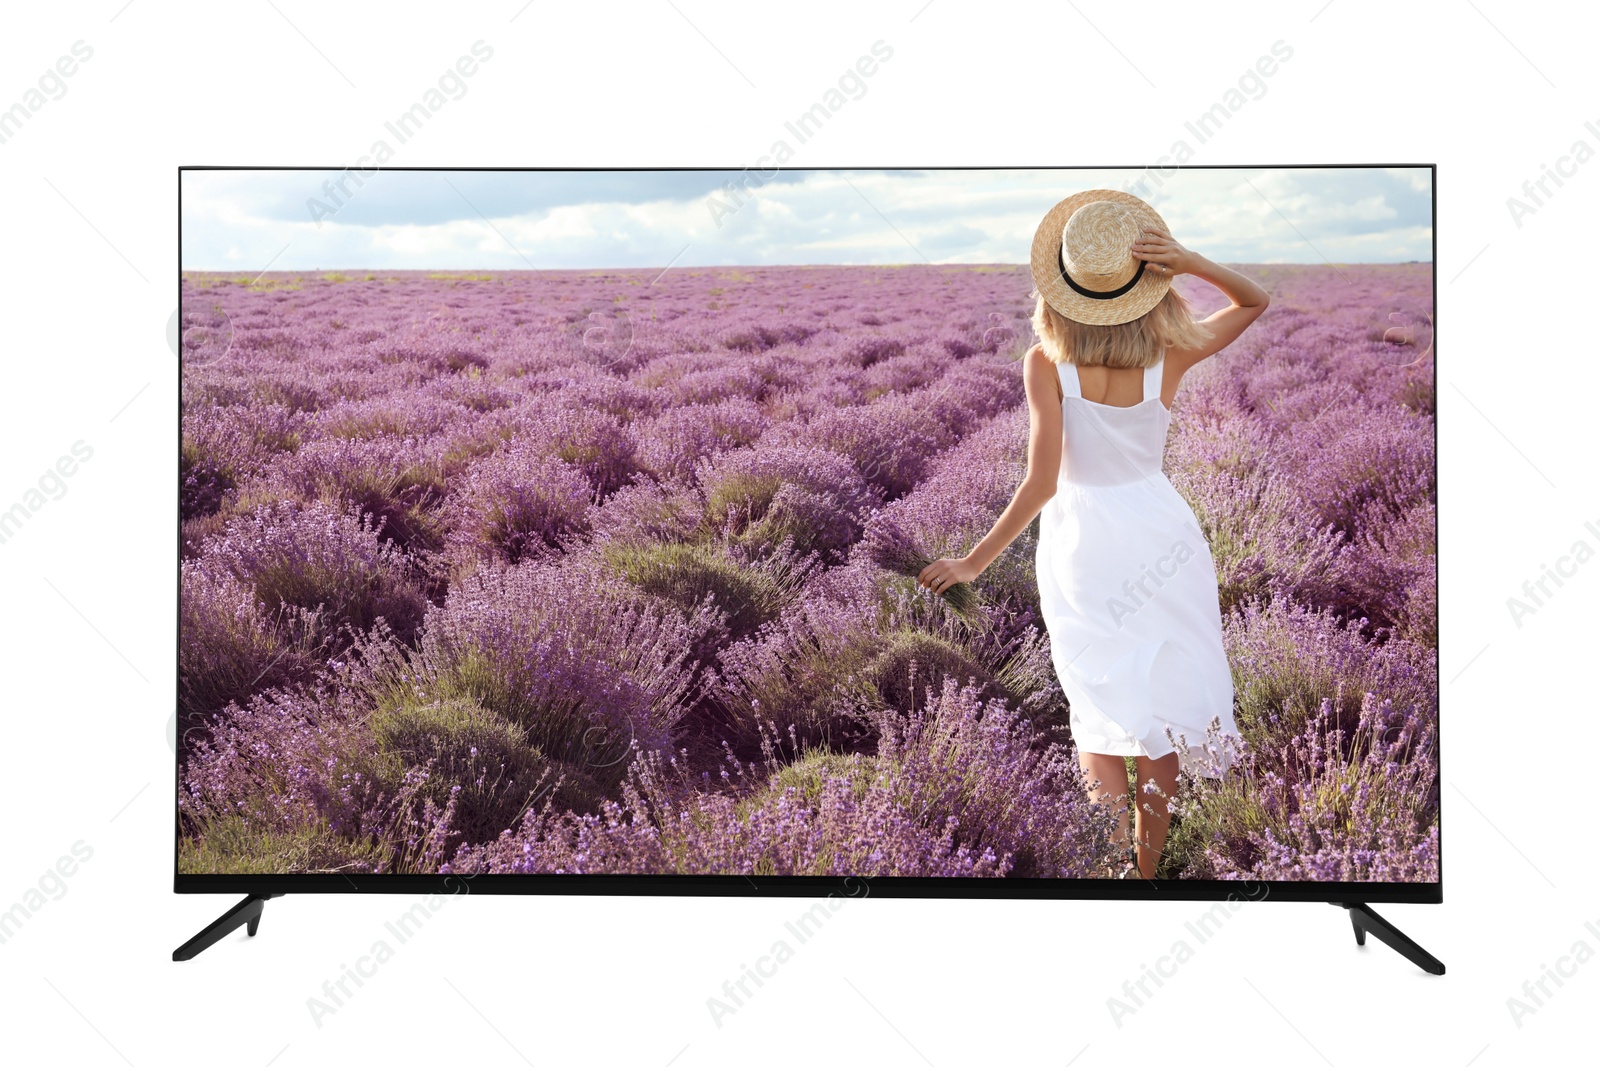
<point x="453" y="220"/>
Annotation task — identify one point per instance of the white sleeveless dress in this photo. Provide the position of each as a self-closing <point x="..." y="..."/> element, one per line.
<point x="1128" y="587"/>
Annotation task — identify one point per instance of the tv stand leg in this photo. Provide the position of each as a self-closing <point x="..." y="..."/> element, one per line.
<point x="1364" y="921"/>
<point x="246" y="913"/>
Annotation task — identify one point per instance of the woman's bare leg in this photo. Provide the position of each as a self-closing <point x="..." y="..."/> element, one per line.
<point x="1111" y="772"/>
<point x="1152" y="816"/>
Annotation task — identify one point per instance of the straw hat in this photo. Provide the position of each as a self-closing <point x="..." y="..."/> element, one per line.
<point x="1081" y="260"/>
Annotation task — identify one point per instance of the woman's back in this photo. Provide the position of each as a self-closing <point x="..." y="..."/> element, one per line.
<point x="1112" y="444"/>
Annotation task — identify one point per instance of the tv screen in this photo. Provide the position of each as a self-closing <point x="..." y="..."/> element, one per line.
<point x="955" y="531"/>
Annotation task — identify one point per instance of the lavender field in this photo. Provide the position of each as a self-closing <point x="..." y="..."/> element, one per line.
<point x="590" y="571"/>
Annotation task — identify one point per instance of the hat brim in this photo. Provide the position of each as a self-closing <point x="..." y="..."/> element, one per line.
<point x="1045" y="262"/>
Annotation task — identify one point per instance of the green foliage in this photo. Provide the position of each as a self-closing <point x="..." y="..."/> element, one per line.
<point x="466" y="749"/>
<point x="235" y="845"/>
<point x="684" y="574"/>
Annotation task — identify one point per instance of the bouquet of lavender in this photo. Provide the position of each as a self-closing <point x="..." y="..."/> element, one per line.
<point x="889" y="546"/>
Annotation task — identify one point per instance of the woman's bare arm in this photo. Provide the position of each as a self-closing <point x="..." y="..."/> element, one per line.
<point x="1247" y="299"/>
<point x="1038" y="485"/>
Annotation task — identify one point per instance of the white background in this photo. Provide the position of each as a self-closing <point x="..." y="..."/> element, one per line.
<point x="1488" y="90"/>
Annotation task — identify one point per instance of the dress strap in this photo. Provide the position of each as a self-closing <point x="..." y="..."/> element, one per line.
<point x="1152" y="377"/>
<point x="1069" y="378"/>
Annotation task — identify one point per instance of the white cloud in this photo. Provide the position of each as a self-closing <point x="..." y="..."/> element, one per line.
<point x="418" y="219"/>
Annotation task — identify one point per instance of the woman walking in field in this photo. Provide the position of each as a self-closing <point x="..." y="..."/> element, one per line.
<point x="1127" y="585"/>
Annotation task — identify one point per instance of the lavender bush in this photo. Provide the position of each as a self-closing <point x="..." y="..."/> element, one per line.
<point x="958" y="788"/>
<point x="278" y="787"/>
<point x="580" y="661"/>
<point x="1327" y="805"/>
<point x="304" y="560"/>
<point x="519" y="504"/>
<point x="765" y="495"/>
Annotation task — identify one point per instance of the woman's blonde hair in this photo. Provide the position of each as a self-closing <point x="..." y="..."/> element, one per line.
<point x="1170" y="324"/>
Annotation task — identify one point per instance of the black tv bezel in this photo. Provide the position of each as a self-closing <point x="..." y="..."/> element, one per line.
<point x="724" y="885"/>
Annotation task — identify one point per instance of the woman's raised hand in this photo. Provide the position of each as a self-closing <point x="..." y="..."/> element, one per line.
<point x="1167" y="257"/>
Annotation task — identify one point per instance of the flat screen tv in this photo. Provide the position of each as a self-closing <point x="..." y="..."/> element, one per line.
<point x="952" y="532"/>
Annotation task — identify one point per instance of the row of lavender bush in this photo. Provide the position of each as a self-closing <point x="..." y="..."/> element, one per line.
<point x="567" y="571"/>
